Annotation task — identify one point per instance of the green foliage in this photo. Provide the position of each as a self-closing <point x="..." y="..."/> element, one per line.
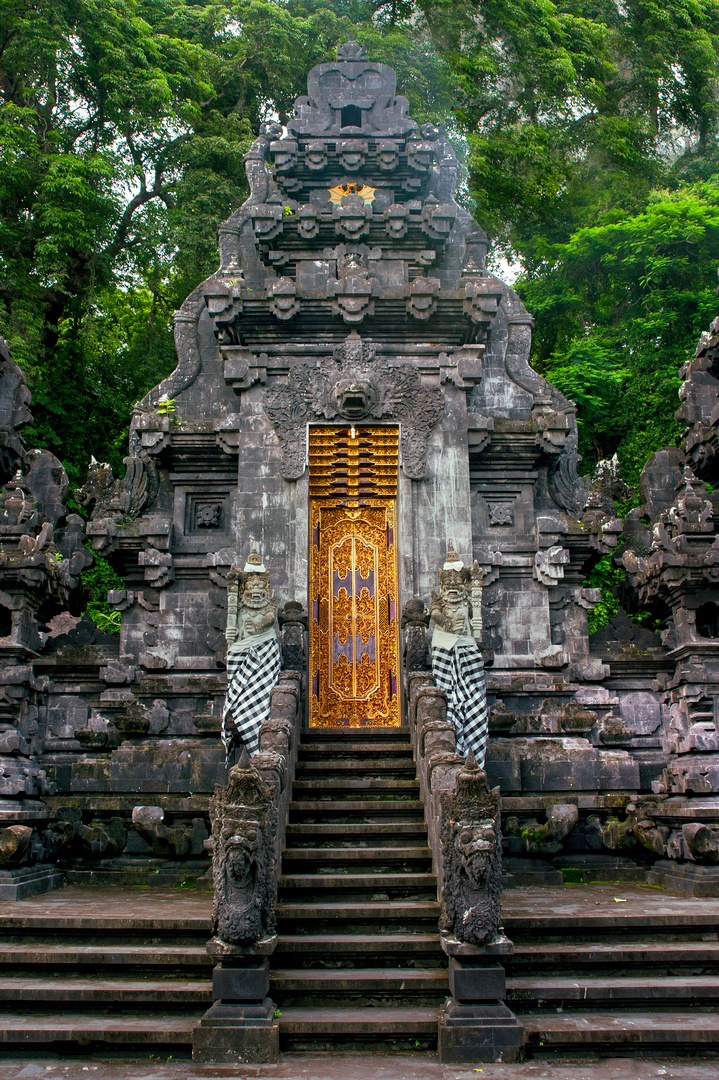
<point x="619" y="308"/>
<point x="123" y="125"/>
<point x="590" y="137"/>
<point x="592" y="133"/>
<point x="95" y="583"/>
<point x="605" y="576"/>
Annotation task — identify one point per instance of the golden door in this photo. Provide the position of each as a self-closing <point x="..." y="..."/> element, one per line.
<point x="354" y="630"/>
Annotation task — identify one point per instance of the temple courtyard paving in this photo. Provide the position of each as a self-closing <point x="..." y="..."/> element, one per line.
<point x="360" y="1067"/>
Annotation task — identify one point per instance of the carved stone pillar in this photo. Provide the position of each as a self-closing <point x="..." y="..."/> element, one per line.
<point x="240" y="1026"/>
<point x="475" y="1024"/>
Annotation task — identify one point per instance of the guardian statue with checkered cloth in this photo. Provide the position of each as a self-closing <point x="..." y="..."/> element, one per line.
<point x="457" y="664"/>
<point x="253" y="654"/>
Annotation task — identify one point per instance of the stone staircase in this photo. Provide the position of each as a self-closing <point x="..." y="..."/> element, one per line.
<point x="596" y="969"/>
<point x="638" y="974"/>
<point x="82" y="969"/>
<point x="358" y="954"/>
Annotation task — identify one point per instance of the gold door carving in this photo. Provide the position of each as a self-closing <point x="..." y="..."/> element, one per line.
<point x="354" y="631"/>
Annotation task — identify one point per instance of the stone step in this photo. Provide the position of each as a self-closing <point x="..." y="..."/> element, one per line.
<point x="92" y="922"/>
<point x="364" y="735"/>
<point x="318" y="883"/>
<point x="383" y="980"/>
<point x="404" y="910"/>
<point x="565" y="923"/>
<point x="351" y="787"/>
<point x="614" y="954"/>
<point x="352" y="747"/>
<point x="375" y="855"/>
<point x="100" y="991"/>
<point x="551" y="990"/>
<point x="128" y="1029"/>
<point x="332" y="808"/>
<point x="366" y="761"/>
<point x="365" y="1021"/>
<point x="667" y="1031"/>
<point x="388" y="832"/>
<point x="355" y="944"/>
<point x="145" y="956"/>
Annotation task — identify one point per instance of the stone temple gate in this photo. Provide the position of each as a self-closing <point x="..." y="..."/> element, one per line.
<point x="353" y="392"/>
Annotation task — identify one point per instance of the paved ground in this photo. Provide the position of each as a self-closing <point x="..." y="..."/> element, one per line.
<point x="353" y="1067"/>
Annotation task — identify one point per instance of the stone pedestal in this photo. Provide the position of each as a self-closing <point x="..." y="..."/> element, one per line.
<point x="22" y="881"/>
<point x="687" y="879"/>
<point x="240" y="1027"/>
<point x="476" y="1025"/>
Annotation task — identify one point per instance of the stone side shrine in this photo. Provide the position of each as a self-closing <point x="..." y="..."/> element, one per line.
<point x="352" y="457"/>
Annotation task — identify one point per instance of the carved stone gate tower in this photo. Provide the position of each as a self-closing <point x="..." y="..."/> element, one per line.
<point x="352" y="392"/>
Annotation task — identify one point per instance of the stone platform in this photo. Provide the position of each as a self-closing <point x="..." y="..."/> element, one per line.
<point x="598" y="970"/>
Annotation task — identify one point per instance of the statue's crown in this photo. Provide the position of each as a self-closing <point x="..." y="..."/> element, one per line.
<point x="452" y="561"/>
<point x="254" y="564"/>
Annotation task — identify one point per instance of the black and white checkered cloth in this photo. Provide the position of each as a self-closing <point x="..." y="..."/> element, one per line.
<point x="459" y="671"/>
<point x="251" y="674"/>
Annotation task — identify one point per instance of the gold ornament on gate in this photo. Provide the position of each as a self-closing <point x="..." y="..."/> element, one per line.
<point x="364" y="191"/>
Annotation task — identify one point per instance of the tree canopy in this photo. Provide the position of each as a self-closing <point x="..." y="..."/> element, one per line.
<point x="590" y="131"/>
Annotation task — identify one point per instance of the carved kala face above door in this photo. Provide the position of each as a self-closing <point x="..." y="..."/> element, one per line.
<point x="354" y="629"/>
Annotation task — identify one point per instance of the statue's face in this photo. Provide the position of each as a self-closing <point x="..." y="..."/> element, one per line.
<point x="452" y="588"/>
<point x="240" y="841"/>
<point x="256" y="593"/>
<point x="476" y="844"/>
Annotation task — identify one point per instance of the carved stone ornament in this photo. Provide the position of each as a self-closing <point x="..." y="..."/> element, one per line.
<point x="208" y="515"/>
<point x="501" y="514"/>
<point x="243" y="857"/>
<point x="283" y="299"/>
<point x="104" y="496"/>
<point x="472" y="857"/>
<point x="251" y="605"/>
<point x="354" y="386"/>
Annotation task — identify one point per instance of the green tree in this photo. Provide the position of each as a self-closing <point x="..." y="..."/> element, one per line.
<point x="619" y="307"/>
<point x="123" y="124"/>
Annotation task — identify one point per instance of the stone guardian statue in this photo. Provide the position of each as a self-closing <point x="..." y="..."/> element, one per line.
<point x="253" y="654"/>
<point x="457" y="664"/>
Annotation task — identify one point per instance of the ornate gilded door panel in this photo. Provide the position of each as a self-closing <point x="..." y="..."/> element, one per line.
<point x="354" y="632"/>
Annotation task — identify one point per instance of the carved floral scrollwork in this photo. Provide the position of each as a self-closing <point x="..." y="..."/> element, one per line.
<point x="355" y="386"/>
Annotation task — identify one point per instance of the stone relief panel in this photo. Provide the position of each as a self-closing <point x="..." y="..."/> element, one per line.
<point x="354" y="385"/>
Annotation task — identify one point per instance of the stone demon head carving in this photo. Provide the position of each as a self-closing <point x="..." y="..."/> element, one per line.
<point x="472" y="857"/>
<point x="355" y="384"/>
<point x="242" y="858"/>
<point x="354" y="399"/>
<point x="476" y="843"/>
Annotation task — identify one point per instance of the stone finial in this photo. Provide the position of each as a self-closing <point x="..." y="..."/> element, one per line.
<point x="351" y="50"/>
